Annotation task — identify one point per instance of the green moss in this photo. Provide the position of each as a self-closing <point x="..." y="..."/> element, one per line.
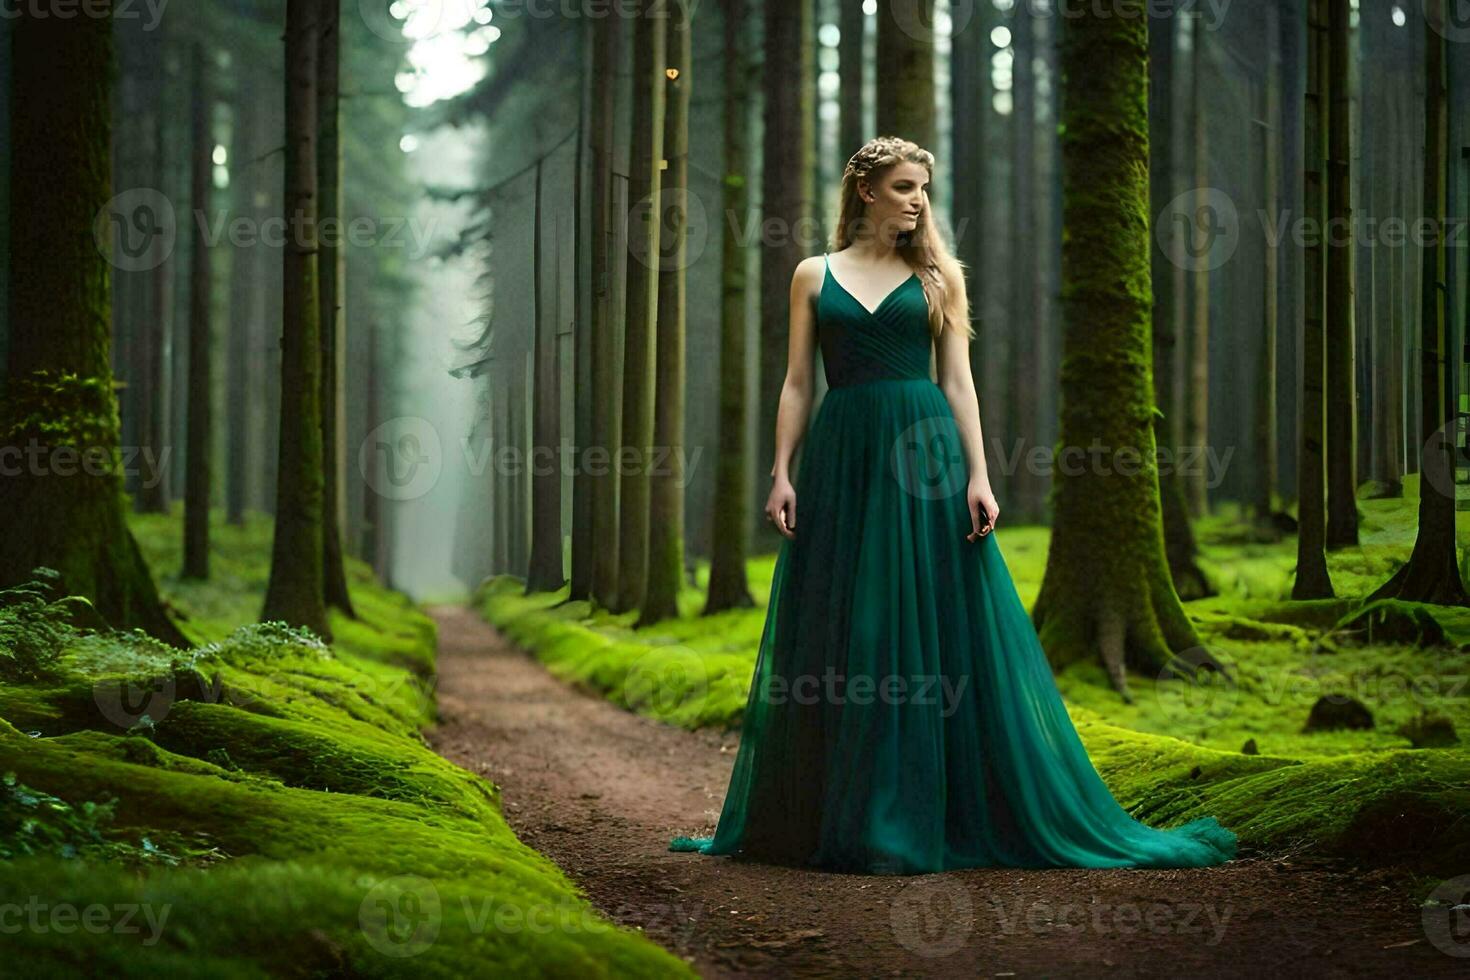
<point x="271" y="802"/>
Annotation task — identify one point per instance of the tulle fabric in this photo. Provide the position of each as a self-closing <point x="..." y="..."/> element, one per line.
<point x="902" y="717"/>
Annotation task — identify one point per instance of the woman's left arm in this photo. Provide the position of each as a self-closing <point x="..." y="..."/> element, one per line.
<point x="952" y="354"/>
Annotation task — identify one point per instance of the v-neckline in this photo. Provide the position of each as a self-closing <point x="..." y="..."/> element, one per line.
<point x="881" y="303"/>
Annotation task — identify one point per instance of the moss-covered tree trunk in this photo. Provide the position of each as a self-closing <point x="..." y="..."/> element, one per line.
<point x="729" y="588"/>
<point x="905" y="59"/>
<point x="199" y="449"/>
<point x="332" y="270"/>
<point x="606" y="394"/>
<point x="1107" y="591"/>
<point x="1432" y="574"/>
<point x="645" y="181"/>
<point x="62" y="492"/>
<point x="788" y="153"/>
<point x="666" y="480"/>
<point x="294" y="593"/>
<point x="1180" y="549"/>
<point x="1312" y="580"/>
<point x="544" y="572"/>
<point x="1197" y="346"/>
<point x="1341" y="340"/>
<point x="584" y="542"/>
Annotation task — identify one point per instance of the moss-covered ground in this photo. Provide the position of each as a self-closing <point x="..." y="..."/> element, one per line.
<point x="1176" y="752"/>
<point x="262" y="804"/>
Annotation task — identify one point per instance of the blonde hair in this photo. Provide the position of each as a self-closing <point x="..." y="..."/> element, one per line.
<point x="942" y="275"/>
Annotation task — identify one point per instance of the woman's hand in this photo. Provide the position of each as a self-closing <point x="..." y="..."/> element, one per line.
<point x="781" y="507"/>
<point x="983" y="509"/>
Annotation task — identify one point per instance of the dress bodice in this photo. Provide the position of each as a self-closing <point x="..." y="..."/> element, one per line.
<point x="891" y="342"/>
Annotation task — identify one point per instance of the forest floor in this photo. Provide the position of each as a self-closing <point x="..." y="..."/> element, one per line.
<point x="601" y="790"/>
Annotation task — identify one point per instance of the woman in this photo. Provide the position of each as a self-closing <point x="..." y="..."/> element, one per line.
<point x="903" y="717"/>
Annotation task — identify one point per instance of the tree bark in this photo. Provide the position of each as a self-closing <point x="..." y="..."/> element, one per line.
<point x="199" y="450"/>
<point x="666" y="488"/>
<point x="294" y="593"/>
<point x="606" y="396"/>
<point x="1341" y="339"/>
<point x="332" y="270"/>
<point x="1107" y="592"/>
<point x="544" y="570"/>
<point x="906" y="106"/>
<point x="1432" y="573"/>
<point x="65" y="507"/>
<point x="729" y="588"/>
<point x="645" y="182"/>
<point x="1312" y="580"/>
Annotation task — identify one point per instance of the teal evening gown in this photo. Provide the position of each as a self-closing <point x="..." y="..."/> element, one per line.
<point x="903" y="717"/>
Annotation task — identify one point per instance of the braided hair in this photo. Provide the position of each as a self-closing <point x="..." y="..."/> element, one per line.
<point x="923" y="248"/>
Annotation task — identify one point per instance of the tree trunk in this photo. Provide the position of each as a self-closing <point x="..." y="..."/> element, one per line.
<point x="666" y="489"/>
<point x="1106" y="591"/>
<point x="1180" y="549"/>
<point x="1432" y="573"/>
<point x="241" y="379"/>
<point x="606" y="397"/>
<point x="787" y="152"/>
<point x="728" y="586"/>
<point x="544" y="572"/>
<point x="153" y="425"/>
<point x="906" y="105"/>
<point x="294" y="593"/>
<point x="584" y="541"/>
<point x="199" y="450"/>
<point x="65" y="508"/>
<point x="645" y="181"/>
<point x="1341" y="340"/>
<point x="1197" y="350"/>
<point x="332" y="271"/>
<point x="851" y="69"/>
<point x="1312" y="580"/>
<point x="1265" y="424"/>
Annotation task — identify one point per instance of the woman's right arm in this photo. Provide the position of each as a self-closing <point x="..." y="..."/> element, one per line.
<point x="796" y="393"/>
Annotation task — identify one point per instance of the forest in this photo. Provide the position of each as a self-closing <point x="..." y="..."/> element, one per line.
<point x="389" y="395"/>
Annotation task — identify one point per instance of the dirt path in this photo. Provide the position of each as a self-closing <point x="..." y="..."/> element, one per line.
<point x="600" y="791"/>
